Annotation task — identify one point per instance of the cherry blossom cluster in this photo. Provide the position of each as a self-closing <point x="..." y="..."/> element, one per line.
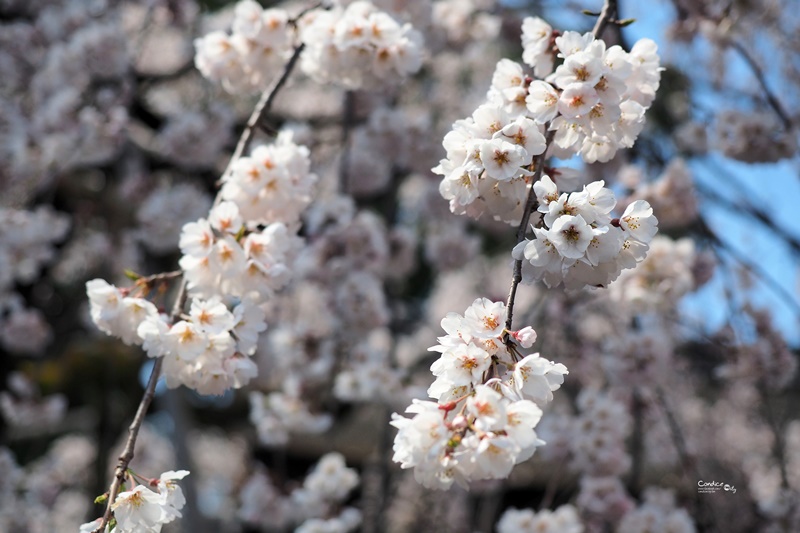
<point x="278" y="414"/>
<point x="27" y="244"/>
<point x="357" y="46"/>
<point x="27" y="240"/>
<point x="258" y="46"/>
<point x="663" y="277"/>
<point x="66" y="71"/>
<point x="368" y="375"/>
<point x="671" y="195"/>
<point x="143" y="509"/>
<point x="603" y="500"/>
<point x="594" y="100"/>
<point x="195" y="138"/>
<point x="232" y="262"/>
<point x="488" y="401"/>
<point x="598" y="443"/>
<point x="330" y="335"/>
<point x="22" y="405"/>
<point x="51" y="493"/>
<point x="222" y="257"/>
<point x="580" y="244"/>
<point x="316" y="506"/>
<point x="207" y="351"/>
<point x="273" y="184"/>
<point x="163" y="213"/>
<point x="753" y="137"/>
<point x="24" y="330"/>
<point x="658" y="513"/>
<point x="400" y="136"/>
<point x="593" y="103"/>
<point x="565" y="519"/>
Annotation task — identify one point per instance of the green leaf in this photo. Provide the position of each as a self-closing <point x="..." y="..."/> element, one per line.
<point x="130" y="274"/>
<point x="103" y="498"/>
<point x="625" y="22"/>
<point x="240" y="233"/>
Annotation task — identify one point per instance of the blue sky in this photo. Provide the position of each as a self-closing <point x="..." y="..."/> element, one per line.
<point x="774" y="188"/>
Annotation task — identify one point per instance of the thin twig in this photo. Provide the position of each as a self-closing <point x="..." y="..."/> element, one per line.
<point x="348" y="118"/>
<point x="772" y="100"/>
<point x="779" y="447"/>
<point x="606" y="15"/>
<point x="530" y="202"/>
<point x="264" y="104"/>
<point x="133" y="431"/>
<point x="161" y="276"/>
<point x="552" y="485"/>
<point x="262" y="107"/>
<point x="753" y="268"/>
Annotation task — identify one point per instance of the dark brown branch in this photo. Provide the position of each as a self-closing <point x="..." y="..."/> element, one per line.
<point x="348" y="121"/>
<point x="772" y="100"/>
<point x="608" y="13"/>
<point x="530" y="202"/>
<point x="264" y="104"/>
<point x="133" y="431"/>
<point x="262" y="107"/>
<point x="777" y="427"/>
<point x="751" y="267"/>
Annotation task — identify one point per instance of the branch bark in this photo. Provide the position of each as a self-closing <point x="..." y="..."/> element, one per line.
<point x="262" y="107"/>
<point x="530" y="202"/>
<point x="607" y="14"/>
<point x="772" y="100"/>
<point x="133" y="431"/>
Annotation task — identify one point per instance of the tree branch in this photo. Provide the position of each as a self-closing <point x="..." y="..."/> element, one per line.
<point x="753" y="268"/>
<point x="772" y="100"/>
<point x="262" y="107"/>
<point x="348" y="120"/>
<point x="777" y="427"/>
<point x="133" y="431"/>
<point x="530" y="202"/>
<point x="608" y="13"/>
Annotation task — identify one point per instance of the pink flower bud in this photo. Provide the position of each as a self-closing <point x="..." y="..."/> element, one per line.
<point x="526" y="336"/>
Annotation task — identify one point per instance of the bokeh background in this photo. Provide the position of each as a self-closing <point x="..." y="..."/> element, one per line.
<point x="111" y="140"/>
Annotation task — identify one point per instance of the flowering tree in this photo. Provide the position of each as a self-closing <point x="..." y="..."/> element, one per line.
<point x="253" y="320"/>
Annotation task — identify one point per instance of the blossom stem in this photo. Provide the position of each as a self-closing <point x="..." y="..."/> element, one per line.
<point x="262" y="107"/>
<point x="772" y="100"/>
<point x="522" y="229"/>
<point x="133" y="431"/>
<point x="609" y="11"/>
<point x="162" y="276"/>
<point x="776" y="424"/>
<point x="607" y="14"/>
<point x="348" y="118"/>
